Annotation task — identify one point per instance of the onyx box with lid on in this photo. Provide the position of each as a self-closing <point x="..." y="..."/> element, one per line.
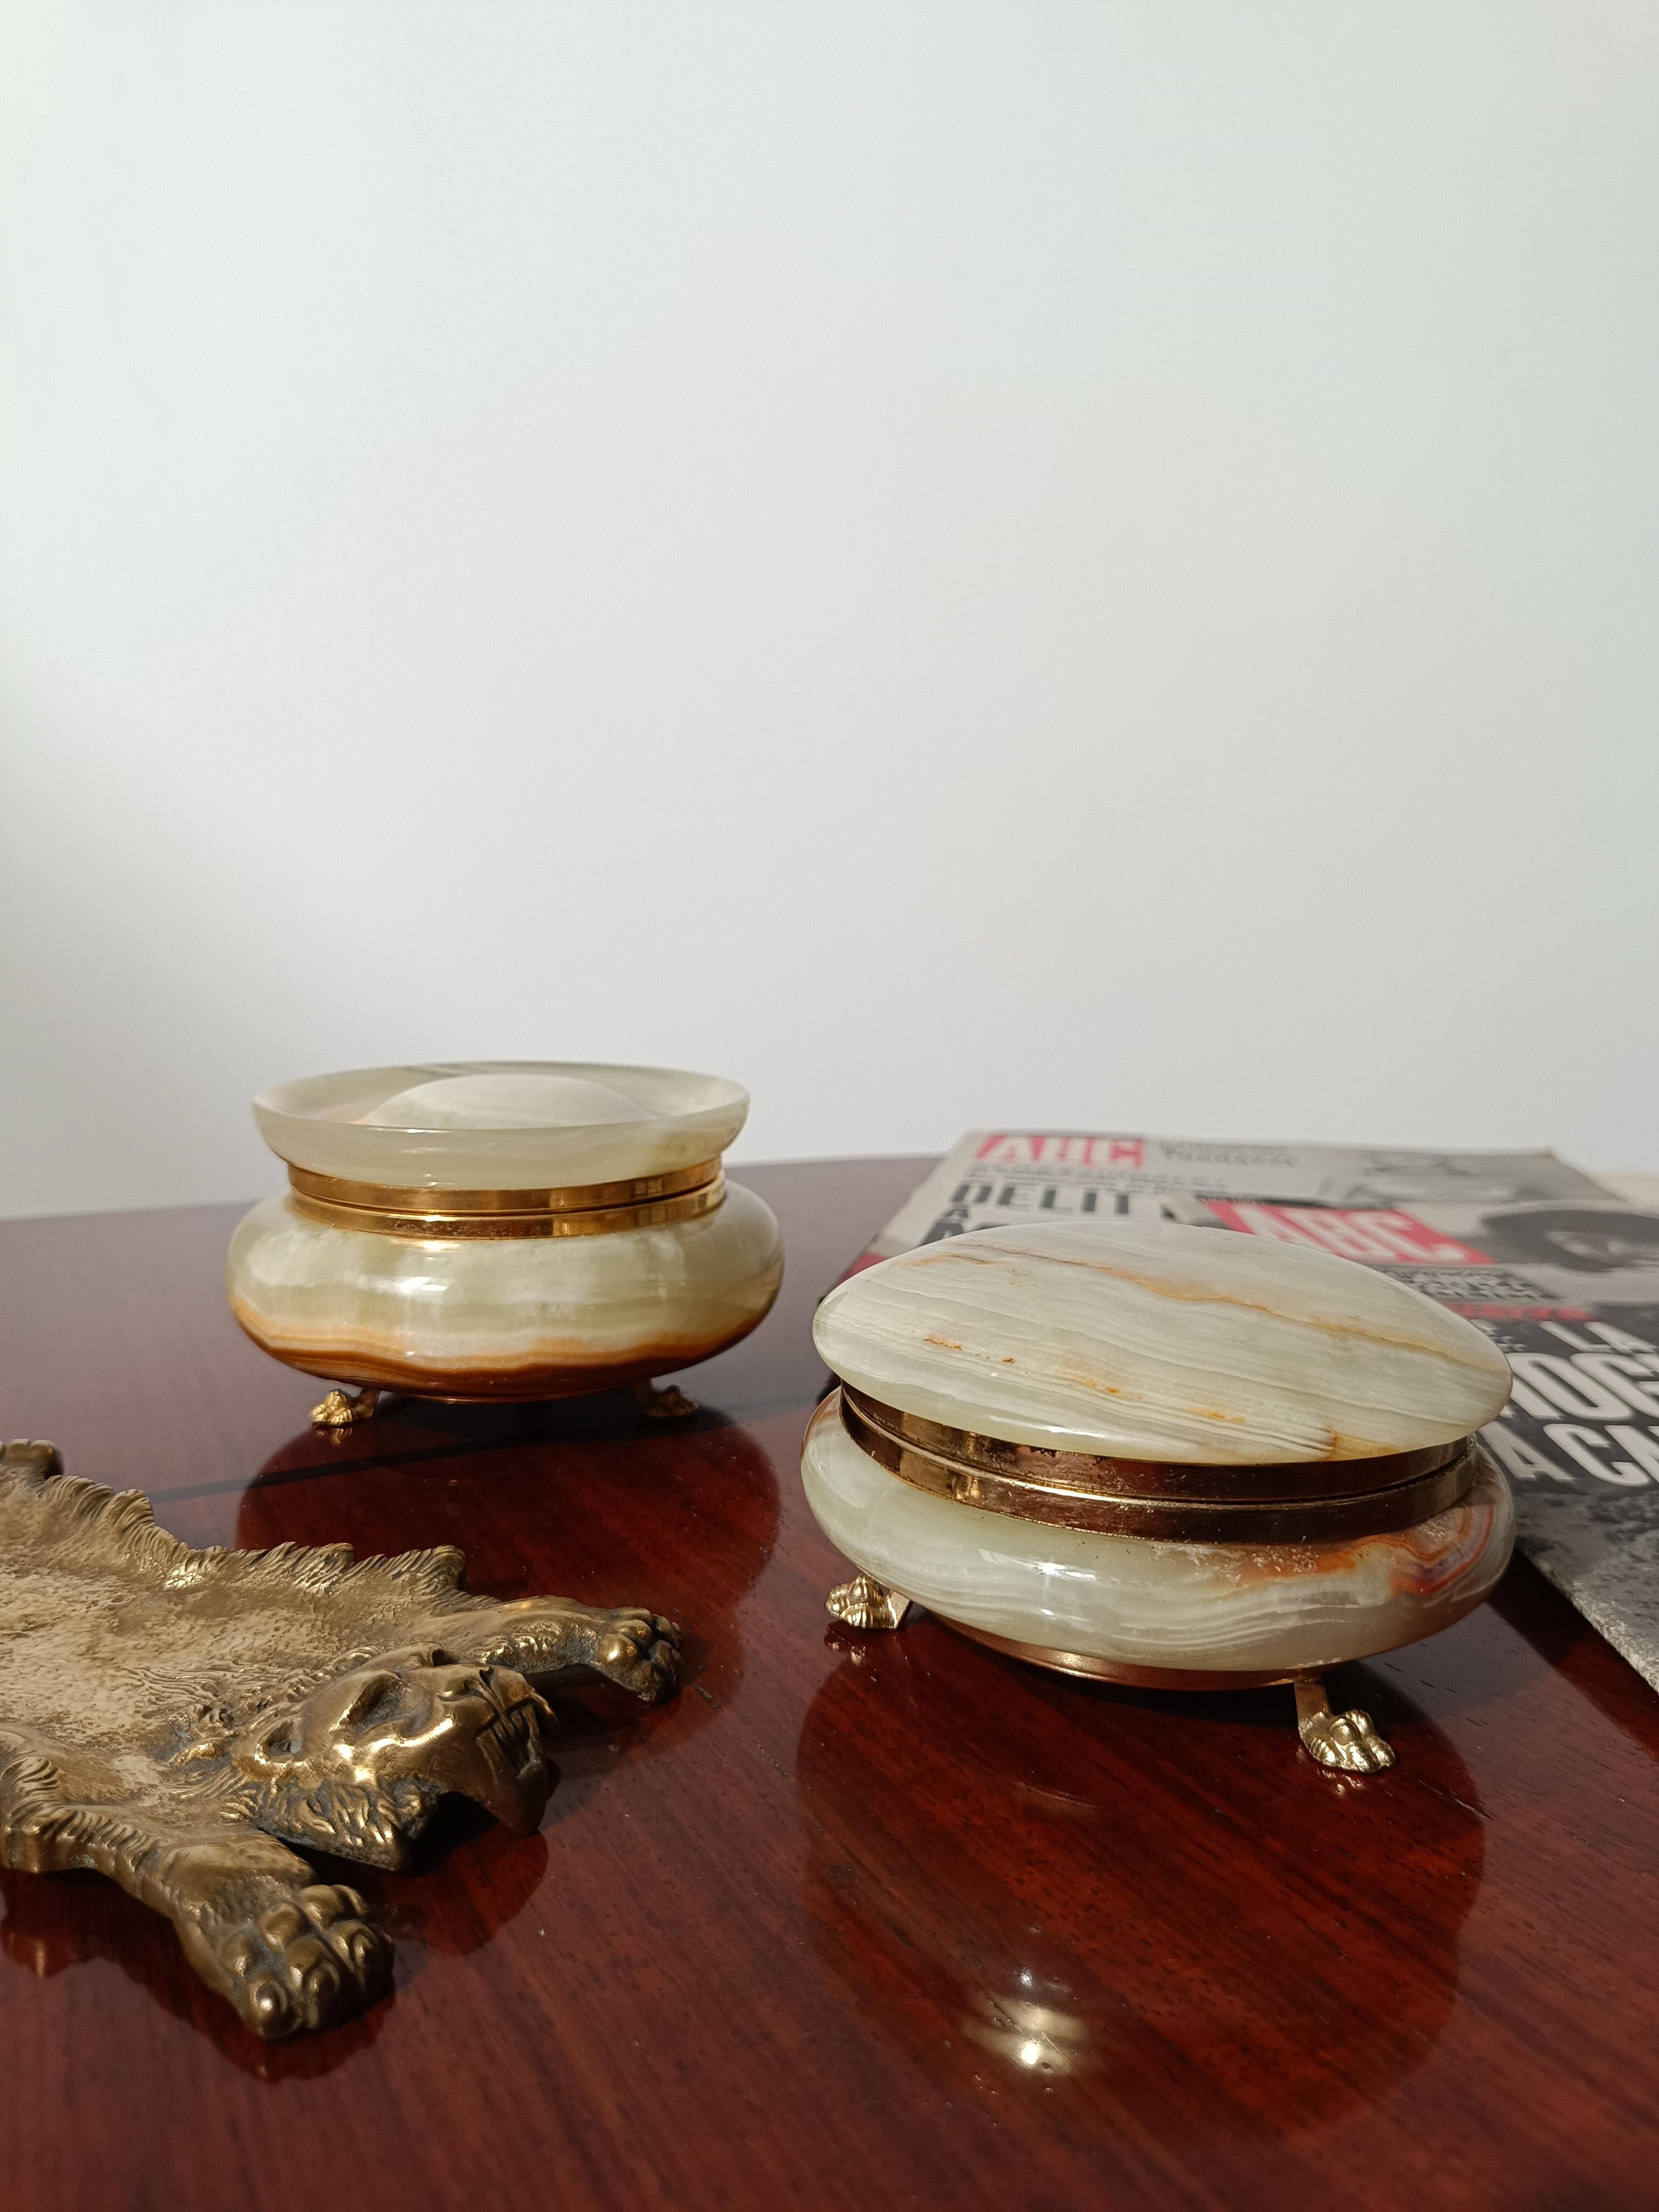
<point x="502" y="1229"/>
<point x="1175" y="1457"/>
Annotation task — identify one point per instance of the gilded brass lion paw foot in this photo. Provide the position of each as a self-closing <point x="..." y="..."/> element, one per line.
<point x="865" y="1603"/>
<point x="303" y="1963"/>
<point x="666" y="1402"/>
<point x="1350" y="1742"/>
<point x="340" y="1410"/>
<point x="640" y="1651"/>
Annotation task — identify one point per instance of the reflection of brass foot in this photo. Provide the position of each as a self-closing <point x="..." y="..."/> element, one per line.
<point x="670" y="1403"/>
<point x="1348" y="1740"/>
<point x="865" y="1603"/>
<point x="340" y="1410"/>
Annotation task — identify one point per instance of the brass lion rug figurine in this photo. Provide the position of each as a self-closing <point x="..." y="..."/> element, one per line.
<point x="175" y="1719"/>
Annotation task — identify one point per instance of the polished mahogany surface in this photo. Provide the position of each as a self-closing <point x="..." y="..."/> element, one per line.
<point x="856" y="1918"/>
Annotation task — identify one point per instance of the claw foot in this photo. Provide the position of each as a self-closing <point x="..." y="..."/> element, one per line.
<point x="340" y="1410"/>
<point x="302" y="1963"/>
<point x="865" y="1603"/>
<point x="666" y="1403"/>
<point x="1349" y="1743"/>
<point x="638" y="1650"/>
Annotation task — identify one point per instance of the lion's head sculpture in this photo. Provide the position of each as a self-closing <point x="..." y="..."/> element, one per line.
<point x="356" y="1764"/>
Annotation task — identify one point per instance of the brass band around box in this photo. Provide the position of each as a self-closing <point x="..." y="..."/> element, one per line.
<point x="1180" y="1458"/>
<point x="502" y="1229"/>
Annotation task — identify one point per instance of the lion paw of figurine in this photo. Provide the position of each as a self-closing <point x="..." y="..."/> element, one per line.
<point x="1349" y="1743"/>
<point x="302" y="1964"/>
<point x="38" y="1457"/>
<point x="638" y="1650"/>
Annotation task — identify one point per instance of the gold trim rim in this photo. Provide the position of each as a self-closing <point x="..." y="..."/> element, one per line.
<point x="1201" y="1481"/>
<point x="1179" y="1519"/>
<point x="445" y="1215"/>
<point x="570" y="1197"/>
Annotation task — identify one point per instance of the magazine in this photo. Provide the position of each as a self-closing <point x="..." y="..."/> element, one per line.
<point x="1560" y="1270"/>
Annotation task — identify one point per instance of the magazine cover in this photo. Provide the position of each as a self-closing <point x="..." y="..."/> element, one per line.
<point x="1560" y="1270"/>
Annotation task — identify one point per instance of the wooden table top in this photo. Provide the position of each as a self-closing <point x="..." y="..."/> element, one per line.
<point x="854" y="1919"/>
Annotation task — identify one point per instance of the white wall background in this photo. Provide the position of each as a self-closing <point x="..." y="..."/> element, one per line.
<point x="1047" y="560"/>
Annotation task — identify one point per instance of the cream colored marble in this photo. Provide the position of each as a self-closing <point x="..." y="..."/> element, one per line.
<point x="530" y="1317"/>
<point x="501" y="1124"/>
<point x="1156" y="1341"/>
<point x="511" y="1099"/>
<point x="1216" y="1609"/>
